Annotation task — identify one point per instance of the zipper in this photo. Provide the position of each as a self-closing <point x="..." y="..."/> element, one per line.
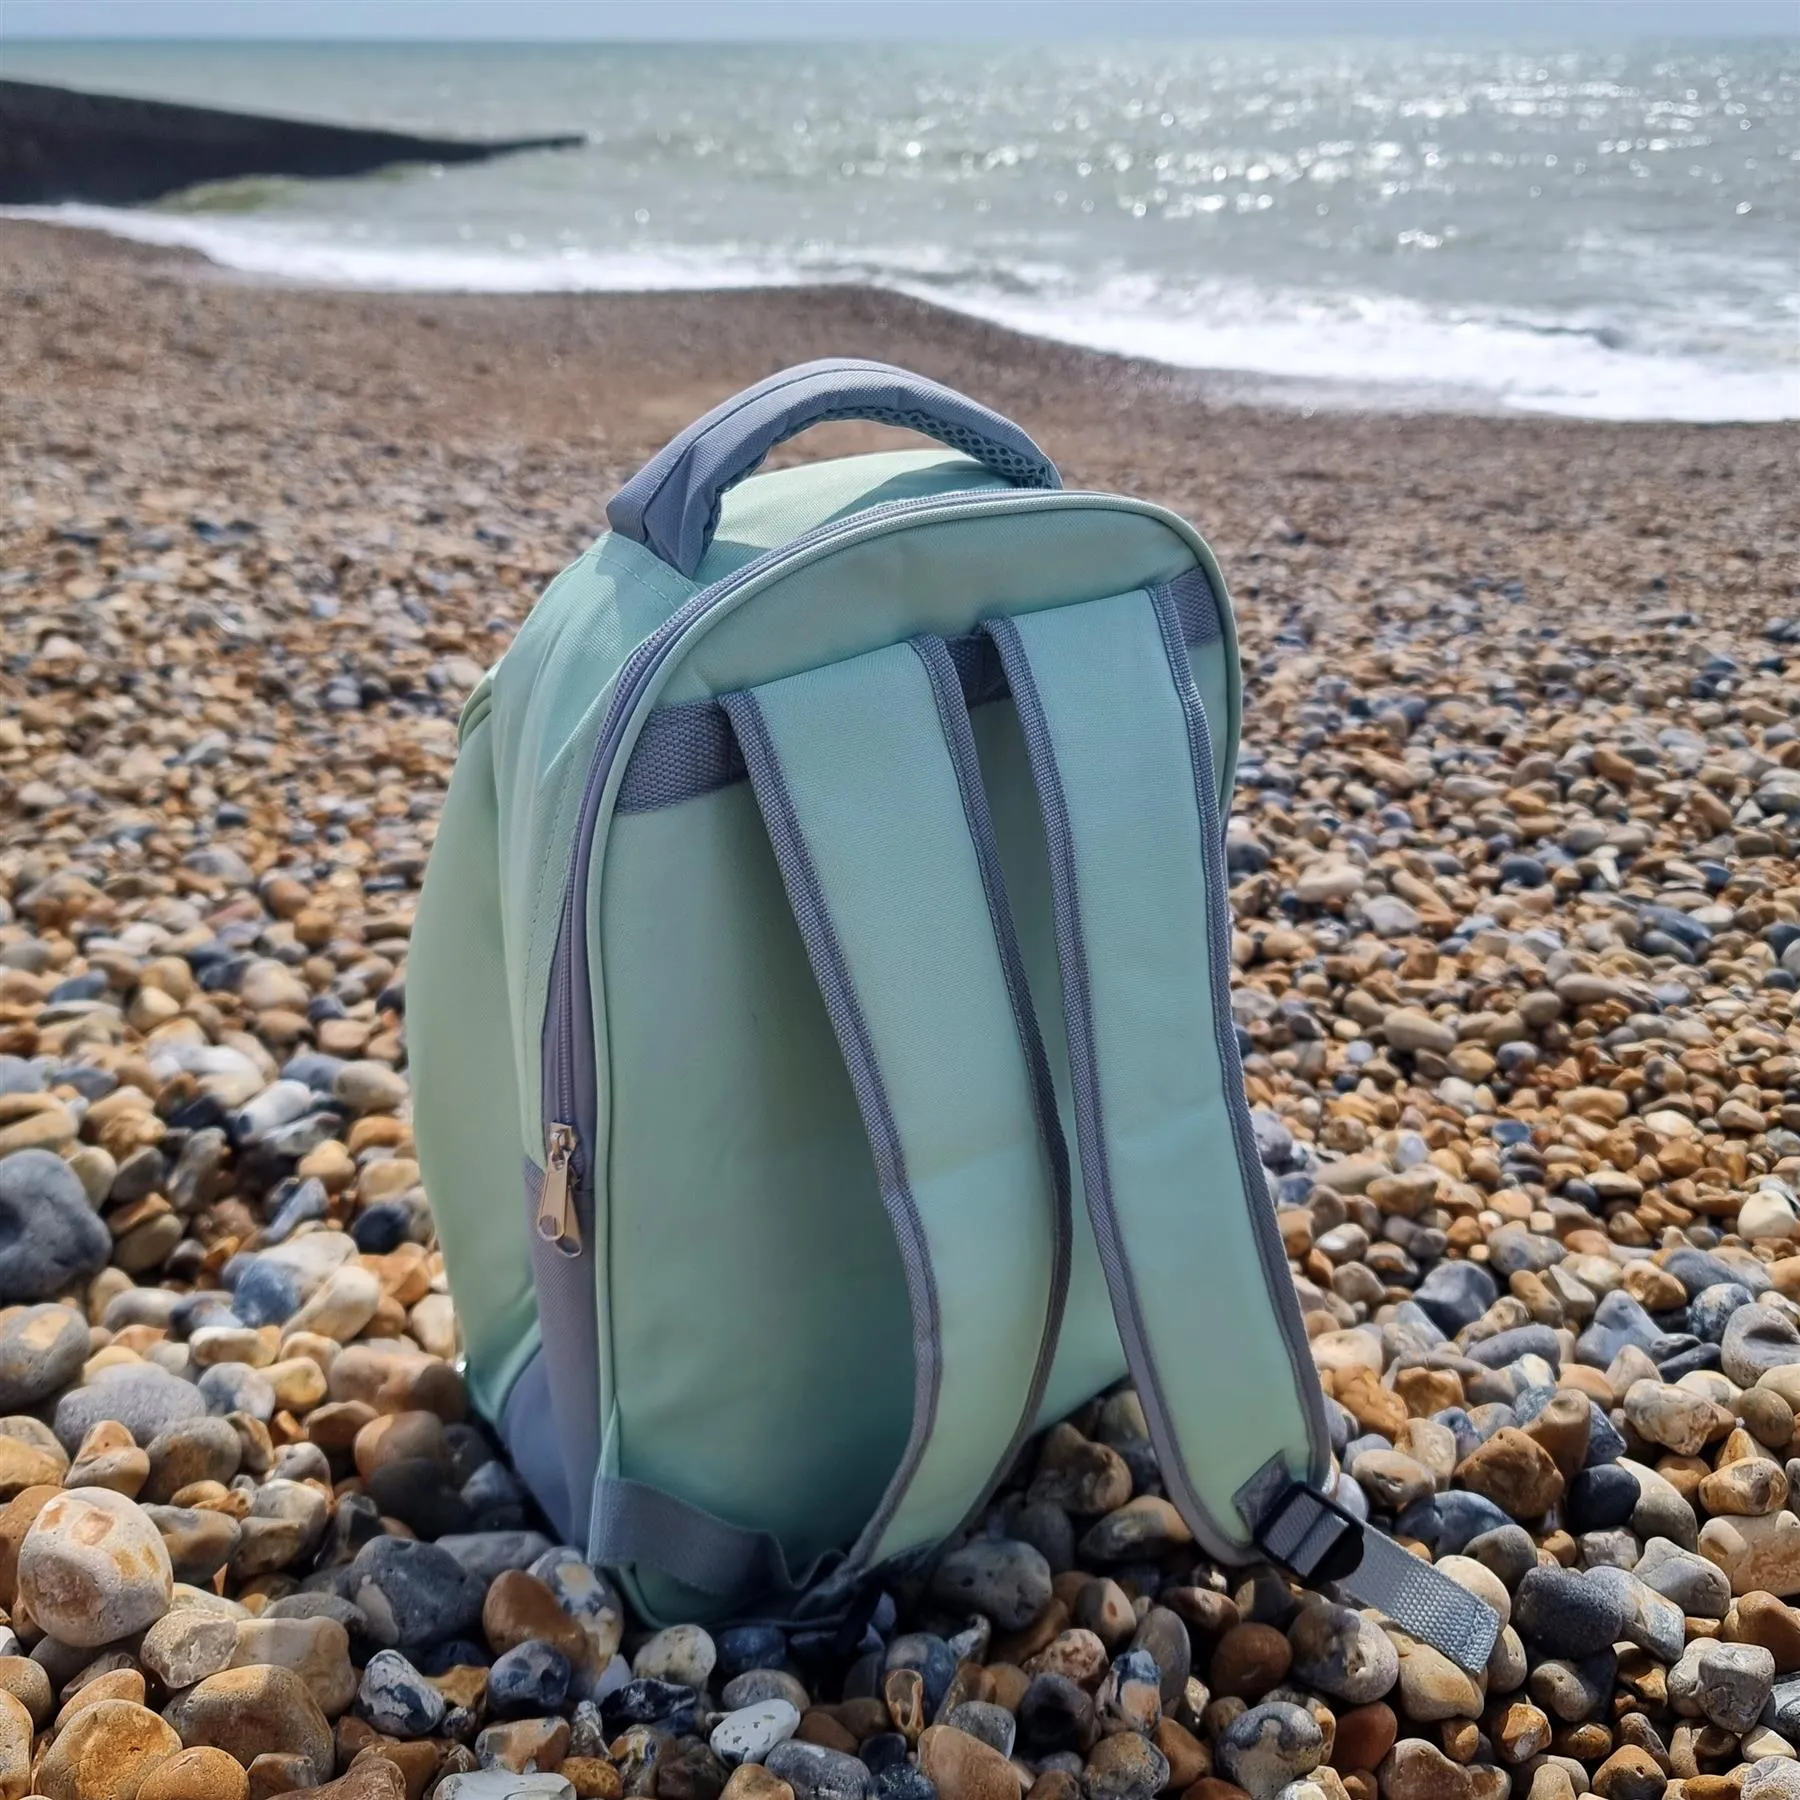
<point x="557" y="1223"/>
<point x="570" y="1077"/>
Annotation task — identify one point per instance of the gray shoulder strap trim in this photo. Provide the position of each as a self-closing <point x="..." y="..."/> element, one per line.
<point x="807" y="896"/>
<point x="1093" y="1138"/>
<point x="1090" y="1130"/>
<point x="1320" y="1542"/>
<point x="1168" y="603"/>
<point x="953" y="713"/>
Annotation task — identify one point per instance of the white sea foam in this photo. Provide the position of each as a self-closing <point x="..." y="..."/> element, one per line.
<point x="281" y="251"/>
<point x="1379" y="349"/>
<point x="1374" y="342"/>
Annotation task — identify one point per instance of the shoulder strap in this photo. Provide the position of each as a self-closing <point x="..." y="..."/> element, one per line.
<point x="1119" y="749"/>
<point x="865" y="775"/>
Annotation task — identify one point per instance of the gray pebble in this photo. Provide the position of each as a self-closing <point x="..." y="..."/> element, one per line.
<point x="502" y="1784"/>
<point x="1757" y="1340"/>
<point x="1456" y="1294"/>
<point x="1511" y="1248"/>
<point x="1007" y="1581"/>
<point x="488" y="1554"/>
<point x="1506" y="1347"/>
<point x="1727" y="1684"/>
<point x="749" y="1733"/>
<point x="1566" y="1613"/>
<point x="1508" y="1551"/>
<point x="1651" y="1621"/>
<point x="1618" y="1321"/>
<point x="318" y="1605"/>
<point x="142" y="1306"/>
<point x="195" y="1450"/>
<point x="50" y="1236"/>
<point x="1784" y="1706"/>
<point x="413" y="1594"/>
<point x="992" y="1724"/>
<point x="1507" y="1666"/>
<point x="1570" y="1690"/>
<point x="1614" y="1549"/>
<point x="1698" y="1270"/>
<point x="397" y="1699"/>
<point x="278" y="1104"/>
<point x="1697" y="1586"/>
<point x="42" y="1349"/>
<point x="1265" y="1748"/>
<point x="755" y="1686"/>
<point x="1164" y="1637"/>
<point x="1661" y="1512"/>
<point x="816" y="1773"/>
<point x="17" y="1076"/>
<point x="140" y="1396"/>
<point x="1450" y="1521"/>
<point x="1343" y="1654"/>
<point x="1049" y="1530"/>
<point x="229" y="1387"/>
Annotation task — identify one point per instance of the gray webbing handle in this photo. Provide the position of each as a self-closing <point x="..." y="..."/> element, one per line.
<point x="671" y="505"/>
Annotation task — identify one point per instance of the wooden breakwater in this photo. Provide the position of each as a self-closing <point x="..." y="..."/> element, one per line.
<point x="60" y="144"/>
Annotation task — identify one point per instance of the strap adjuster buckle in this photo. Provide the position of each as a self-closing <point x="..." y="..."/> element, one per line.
<point x="1311" y="1536"/>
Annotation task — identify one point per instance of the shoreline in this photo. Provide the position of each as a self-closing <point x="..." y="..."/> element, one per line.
<point x="1309" y="393"/>
<point x="619" y="373"/>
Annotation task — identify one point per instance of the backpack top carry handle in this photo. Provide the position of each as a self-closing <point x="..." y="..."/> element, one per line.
<point x="671" y="505"/>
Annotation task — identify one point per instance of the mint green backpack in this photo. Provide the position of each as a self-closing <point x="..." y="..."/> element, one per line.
<point x="819" y="1017"/>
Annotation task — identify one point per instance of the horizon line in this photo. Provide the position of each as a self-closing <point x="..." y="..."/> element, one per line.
<point x="1524" y="39"/>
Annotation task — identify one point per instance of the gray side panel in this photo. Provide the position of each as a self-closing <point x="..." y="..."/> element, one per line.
<point x="528" y="1429"/>
<point x="636" y="1523"/>
<point x="568" y="1365"/>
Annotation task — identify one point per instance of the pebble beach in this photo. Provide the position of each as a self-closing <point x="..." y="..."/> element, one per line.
<point x="1515" y="867"/>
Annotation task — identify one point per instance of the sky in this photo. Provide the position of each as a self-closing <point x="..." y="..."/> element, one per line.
<point x="578" y="20"/>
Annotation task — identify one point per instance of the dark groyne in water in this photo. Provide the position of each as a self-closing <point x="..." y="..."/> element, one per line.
<point x="59" y="144"/>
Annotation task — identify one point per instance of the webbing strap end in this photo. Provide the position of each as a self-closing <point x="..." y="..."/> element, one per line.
<point x="1320" y="1542"/>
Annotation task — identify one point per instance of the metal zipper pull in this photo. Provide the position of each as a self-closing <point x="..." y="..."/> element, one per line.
<point x="556" y="1220"/>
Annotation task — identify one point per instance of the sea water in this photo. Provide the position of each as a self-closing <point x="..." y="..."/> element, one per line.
<point x="1593" y="229"/>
